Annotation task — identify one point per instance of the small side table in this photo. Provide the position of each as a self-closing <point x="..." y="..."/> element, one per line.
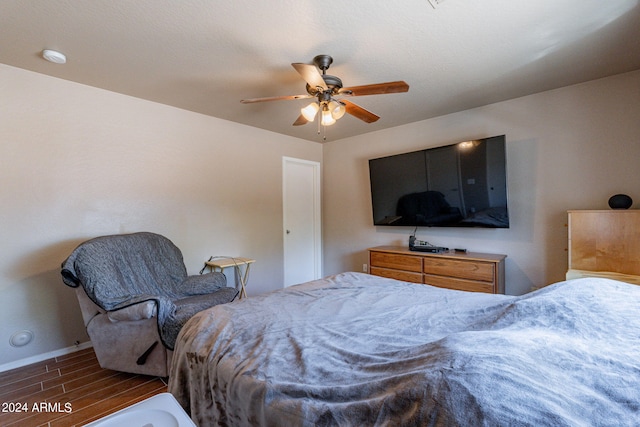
<point x="239" y="264"/>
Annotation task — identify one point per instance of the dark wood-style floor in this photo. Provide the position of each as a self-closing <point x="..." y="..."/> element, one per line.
<point x="70" y="390"/>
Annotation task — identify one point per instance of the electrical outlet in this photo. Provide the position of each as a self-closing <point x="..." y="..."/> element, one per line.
<point x="365" y="268"/>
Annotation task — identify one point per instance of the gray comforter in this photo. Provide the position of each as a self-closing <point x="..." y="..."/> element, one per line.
<point x="355" y="349"/>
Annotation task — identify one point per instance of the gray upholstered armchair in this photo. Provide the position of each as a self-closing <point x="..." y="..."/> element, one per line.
<point x="135" y="296"/>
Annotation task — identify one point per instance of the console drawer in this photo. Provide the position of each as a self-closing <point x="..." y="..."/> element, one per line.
<point x="474" y="270"/>
<point x="459" y="284"/>
<point x="405" y="276"/>
<point x="396" y="261"/>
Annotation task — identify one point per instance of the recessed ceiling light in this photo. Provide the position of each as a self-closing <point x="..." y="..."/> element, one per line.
<point x="54" y="56"/>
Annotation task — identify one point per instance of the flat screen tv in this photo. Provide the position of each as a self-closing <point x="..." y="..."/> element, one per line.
<point x="458" y="185"/>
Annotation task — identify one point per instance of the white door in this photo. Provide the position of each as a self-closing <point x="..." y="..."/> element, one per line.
<point x="301" y="215"/>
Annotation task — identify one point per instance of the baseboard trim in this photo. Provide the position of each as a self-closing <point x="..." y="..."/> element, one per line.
<point x="40" y="357"/>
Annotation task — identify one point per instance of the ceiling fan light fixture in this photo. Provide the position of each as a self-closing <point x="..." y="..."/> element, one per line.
<point x="337" y="109"/>
<point x="327" y="118"/>
<point x="309" y="112"/>
<point x="323" y="87"/>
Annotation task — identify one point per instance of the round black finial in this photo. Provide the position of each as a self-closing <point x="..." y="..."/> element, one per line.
<point x="620" y="201"/>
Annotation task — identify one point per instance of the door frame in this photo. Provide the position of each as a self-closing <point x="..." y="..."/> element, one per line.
<point x="317" y="215"/>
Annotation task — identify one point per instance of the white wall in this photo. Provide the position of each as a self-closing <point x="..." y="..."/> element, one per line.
<point x="78" y="162"/>
<point x="570" y="148"/>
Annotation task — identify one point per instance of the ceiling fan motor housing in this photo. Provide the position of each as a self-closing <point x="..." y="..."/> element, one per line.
<point x="333" y="83"/>
<point x="323" y="62"/>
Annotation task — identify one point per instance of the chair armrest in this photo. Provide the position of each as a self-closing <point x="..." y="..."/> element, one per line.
<point x="138" y="311"/>
<point x="201" y="284"/>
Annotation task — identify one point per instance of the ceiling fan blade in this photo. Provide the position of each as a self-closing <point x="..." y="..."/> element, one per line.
<point x="300" y="121"/>
<point x="311" y="75"/>
<point x="359" y="112"/>
<point x="375" y="89"/>
<point x="275" y="98"/>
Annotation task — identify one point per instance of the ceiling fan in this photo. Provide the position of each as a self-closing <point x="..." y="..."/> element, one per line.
<point x="329" y="93"/>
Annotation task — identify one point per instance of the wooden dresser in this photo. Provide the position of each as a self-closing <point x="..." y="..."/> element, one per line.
<point x="604" y="243"/>
<point x="463" y="271"/>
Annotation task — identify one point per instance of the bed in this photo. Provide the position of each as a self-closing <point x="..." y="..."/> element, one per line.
<point x="355" y="349"/>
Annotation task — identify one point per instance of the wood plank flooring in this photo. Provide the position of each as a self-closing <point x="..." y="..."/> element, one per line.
<point x="70" y="390"/>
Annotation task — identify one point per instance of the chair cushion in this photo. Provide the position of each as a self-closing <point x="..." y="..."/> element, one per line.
<point x="187" y="307"/>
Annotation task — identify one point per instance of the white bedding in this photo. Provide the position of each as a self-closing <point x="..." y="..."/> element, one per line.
<point x="356" y="349"/>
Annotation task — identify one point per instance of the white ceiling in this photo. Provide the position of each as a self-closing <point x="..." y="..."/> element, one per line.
<point x="207" y="55"/>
